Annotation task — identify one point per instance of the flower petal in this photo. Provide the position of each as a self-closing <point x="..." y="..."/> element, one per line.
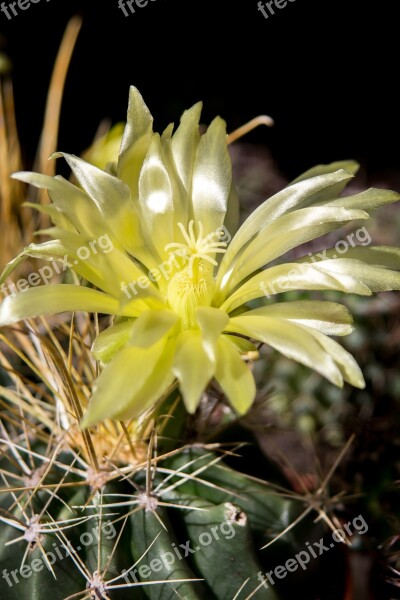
<point x="111" y="340"/>
<point x="193" y="368"/>
<point x="118" y="387"/>
<point x="349" y="368"/>
<point x="184" y="145"/>
<point x="103" y="153"/>
<point x="279" y="204"/>
<point x="378" y="279"/>
<point x="234" y="376"/>
<point x="212" y="178"/>
<point x="381" y="256"/>
<point x="135" y="142"/>
<point x="329" y="318"/>
<point x="70" y="201"/>
<point x="333" y="191"/>
<point x="54" y="249"/>
<point x="246" y="348"/>
<point x="56" y="216"/>
<point x="289" y="277"/>
<point x="113" y="199"/>
<point x="212" y="322"/>
<point x="288" y="232"/>
<point x="367" y="200"/>
<point x="292" y="340"/>
<point x="53" y="299"/>
<point x="348" y="165"/>
<point x="151" y="326"/>
<point x="155" y="387"/>
<point x="156" y="198"/>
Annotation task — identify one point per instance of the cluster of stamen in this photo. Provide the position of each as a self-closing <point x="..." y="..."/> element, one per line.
<point x="193" y="285"/>
<point x="197" y="248"/>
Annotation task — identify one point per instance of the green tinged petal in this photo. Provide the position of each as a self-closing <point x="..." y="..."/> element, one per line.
<point x="234" y="376"/>
<point x="377" y="279"/>
<point x="193" y="368"/>
<point x="386" y="257"/>
<point x="104" y="151"/>
<point x="367" y="200"/>
<point x="111" y="271"/>
<point x="180" y="197"/>
<point x="232" y="216"/>
<point x="348" y="165"/>
<point x="113" y="339"/>
<point x="56" y="216"/>
<point x="53" y="299"/>
<point x="75" y="205"/>
<point x="12" y="265"/>
<point x="245" y="347"/>
<point x="333" y="191"/>
<point x="135" y="142"/>
<point x="156" y="386"/>
<point x="113" y="199"/>
<point x="151" y="326"/>
<point x="119" y="388"/>
<point x="54" y="249"/>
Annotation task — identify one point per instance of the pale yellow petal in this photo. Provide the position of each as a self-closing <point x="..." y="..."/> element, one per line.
<point x="285" y="233"/>
<point x="212" y="178"/>
<point x="118" y="387"/>
<point x="212" y="322"/>
<point x="151" y="326"/>
<point x="289" y="277"/>
<point x="51" y="299"/>
<point x="234" y="376"/>
<point x="288" y="199"/>
<point x="111" y="340"/>
<point x="193" y="368"/>
<point x="329" y="318"/>
<point x="290" y="339"/>
<point x="135" y="142"/>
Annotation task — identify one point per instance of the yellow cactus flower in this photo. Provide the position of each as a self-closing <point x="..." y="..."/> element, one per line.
<point x="156" y="236"/>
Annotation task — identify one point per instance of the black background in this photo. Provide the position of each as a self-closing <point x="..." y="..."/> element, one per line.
<point x="326" y="71"/>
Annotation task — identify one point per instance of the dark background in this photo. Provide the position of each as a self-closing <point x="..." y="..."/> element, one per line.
<point x="326" y="70"/>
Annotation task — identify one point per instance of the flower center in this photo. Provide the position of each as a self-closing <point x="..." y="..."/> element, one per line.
<point x="193" y="285"/>
<point x="187" y="291"/>
<point x="200" y="248"/>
